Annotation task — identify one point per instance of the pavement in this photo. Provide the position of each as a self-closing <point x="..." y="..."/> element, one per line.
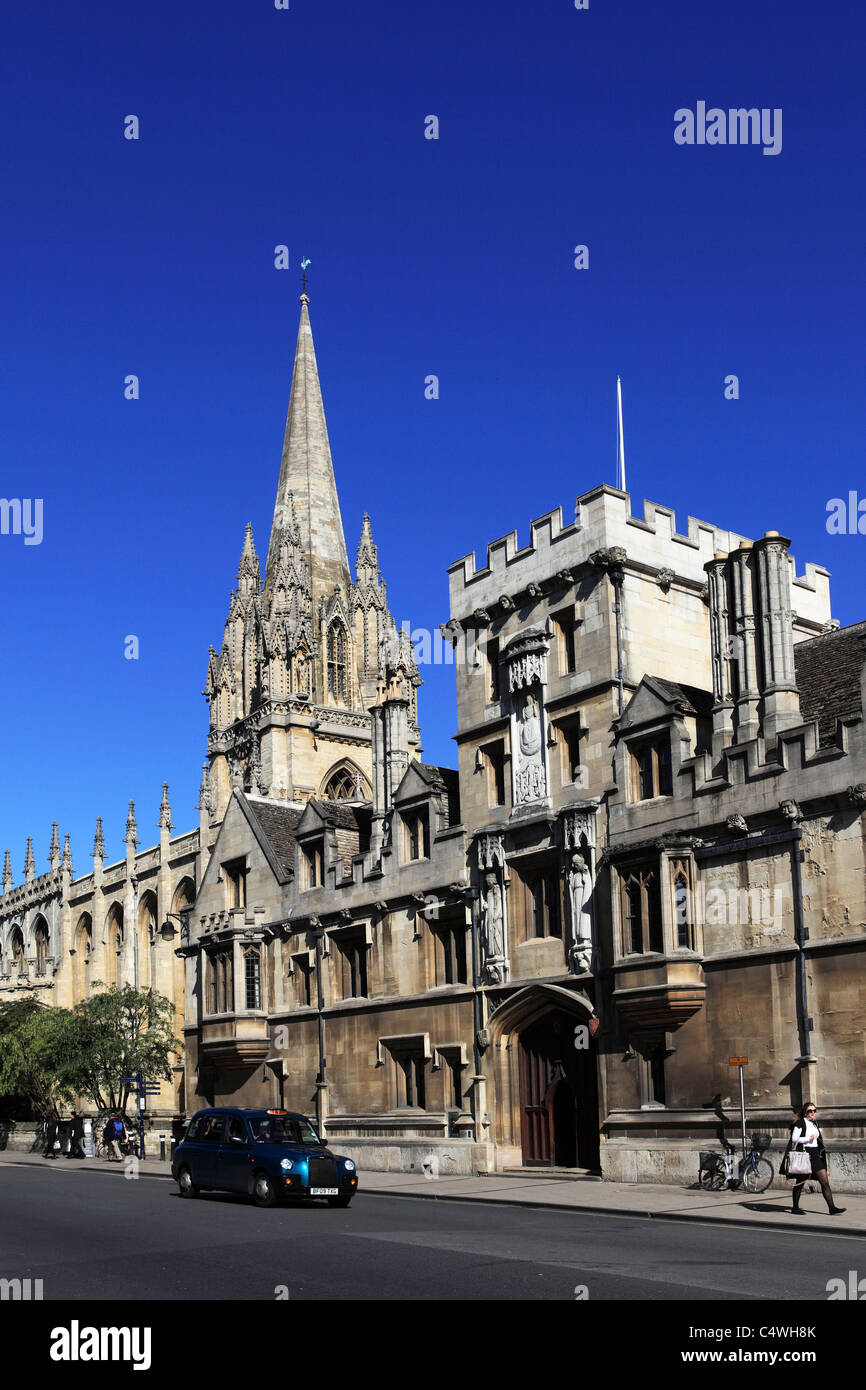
<point x="772" y="1209"/>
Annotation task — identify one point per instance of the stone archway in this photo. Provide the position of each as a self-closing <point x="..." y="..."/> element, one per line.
<point x="545" y="1080"/>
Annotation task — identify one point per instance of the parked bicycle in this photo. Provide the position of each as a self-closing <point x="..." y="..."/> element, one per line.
<point x="754" y="1171"/>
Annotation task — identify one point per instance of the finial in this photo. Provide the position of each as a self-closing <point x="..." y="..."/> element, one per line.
<point x="66" y="861"/>
<point x="304" y="263"/>
<point x="29" y="861"/>
<point x="98" y="840"/>
<point x="164" y="810"/>
<point x="8" y="880"/>
<point x="131" y="828"/>
<point x="54" y="847"/>
<point x="204" y="797"/>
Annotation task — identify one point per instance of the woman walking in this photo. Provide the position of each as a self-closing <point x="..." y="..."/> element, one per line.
<point x="807" y="1136"/>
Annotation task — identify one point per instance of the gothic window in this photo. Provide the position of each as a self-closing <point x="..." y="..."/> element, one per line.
<point x="640" y="907"/>
<point x="337" y="660"/>
<point x="341" y="786"/>
<point x="18" y="949"/>
<point x="651" y="769"/>
<point x="451" y="953"/>
<point x="220" y="981"/>
<point x="411" y="1090"/>
<point x="683" y="924"/>
<point x="542" y="913"/>
<point x="252" y="978"/>
<point x="352" y="964"/>
<point x="41" y="949"/>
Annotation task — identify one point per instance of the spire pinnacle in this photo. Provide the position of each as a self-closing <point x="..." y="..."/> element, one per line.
<point x="29" y="861"/>
<point x="99" y="840"/>
<point x="66" y="861"/>
<point x="164" y="810"/>
<point x="8" y="880"/>
<point x="54" y="847"/>
<point x="131" y="836"/>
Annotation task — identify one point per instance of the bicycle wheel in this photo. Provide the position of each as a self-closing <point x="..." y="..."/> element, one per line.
<point x="757" y="1174"/>
<point x="712" y="1176"/>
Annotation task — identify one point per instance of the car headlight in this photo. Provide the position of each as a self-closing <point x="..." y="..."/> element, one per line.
<point x="286" y="1164"/>
<point x="350" y="1167"/>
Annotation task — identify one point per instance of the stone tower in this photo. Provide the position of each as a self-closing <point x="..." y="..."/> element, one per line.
<point x="291" y="687"/>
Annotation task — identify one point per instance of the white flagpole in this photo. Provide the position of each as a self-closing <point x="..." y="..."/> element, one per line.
<point x="620" y="446"/>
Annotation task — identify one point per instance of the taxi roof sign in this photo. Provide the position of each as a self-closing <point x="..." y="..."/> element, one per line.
<point x="737" y="1061"/>
<point x="276" y="1112"/>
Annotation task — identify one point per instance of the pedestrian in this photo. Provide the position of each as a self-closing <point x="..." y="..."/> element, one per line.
<point x="76" y="1135"/>
<point x="50" y="1132"/>
<point x="115" y="1134"/>
<point x="806" y="1137"/>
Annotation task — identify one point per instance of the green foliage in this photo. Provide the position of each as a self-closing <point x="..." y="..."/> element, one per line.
<point x="32" y="1038"/>
<point x="52" y="1056"/>
<point x="116" y="1033"/>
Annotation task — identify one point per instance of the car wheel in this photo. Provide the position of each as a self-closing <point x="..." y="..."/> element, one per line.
<point x="264" y="1192"/>
<point x="339" y="1201"/>
<point x="185" y="1183"/>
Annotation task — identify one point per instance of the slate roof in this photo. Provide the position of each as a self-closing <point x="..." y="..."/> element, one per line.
<point x="277" y="824"/>
<point x="445" y="782"/>
<point x="828" y="676"/>
<point x="336" y="813"/>
<point x="693" y="700"/>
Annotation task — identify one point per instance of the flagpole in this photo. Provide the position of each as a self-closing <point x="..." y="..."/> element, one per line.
<point x="620" y="445"/>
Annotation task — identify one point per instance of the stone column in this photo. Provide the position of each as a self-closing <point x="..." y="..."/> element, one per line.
<point x="717" y="593"/>
<point x="778" y="688"/>
<point x="745" y="648"/>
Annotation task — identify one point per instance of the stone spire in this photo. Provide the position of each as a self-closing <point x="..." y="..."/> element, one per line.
<point x="131" y="836"/>
<point x="54" y="848"/>
<point x="66" y="861"/>
<point x="99" y="840"/>
<point x="204" y="796"/>
<point x="164" y="811"/>
<point x="29" y="862"/>
<point x="307" y="472"/>
<point x="8" y="880"/>
<point x="367" y="559"/>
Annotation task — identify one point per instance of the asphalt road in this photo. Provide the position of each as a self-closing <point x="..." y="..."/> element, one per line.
<point x="100" y="1236"/>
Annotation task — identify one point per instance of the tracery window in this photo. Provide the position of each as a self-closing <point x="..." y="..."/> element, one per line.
<point x="337" y="660"/>
<point x="41" y="950"/>
<point x="341" y="786"/>
<point x="641" y="911"/>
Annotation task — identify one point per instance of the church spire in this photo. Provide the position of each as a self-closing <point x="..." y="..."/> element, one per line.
<point x="307" y="472"/>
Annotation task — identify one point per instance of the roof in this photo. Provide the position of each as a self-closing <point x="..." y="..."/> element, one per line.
<point x="339" y="813"/>
<point x="277" y="823"/>
<point x="693" y="700"/>
<point x="829" y="672"/>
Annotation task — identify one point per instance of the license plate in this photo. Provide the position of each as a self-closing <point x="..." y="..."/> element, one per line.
<point x="324" y="1191"/>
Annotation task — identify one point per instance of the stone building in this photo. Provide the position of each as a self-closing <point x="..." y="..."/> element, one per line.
<point x="649" y="857"/>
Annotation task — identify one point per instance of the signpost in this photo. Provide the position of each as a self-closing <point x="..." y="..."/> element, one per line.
<point x="144" y="1089"/>
<point x="741" y="1062"/>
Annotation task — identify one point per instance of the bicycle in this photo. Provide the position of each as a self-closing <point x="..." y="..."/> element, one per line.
<point x="716" y="1171"/>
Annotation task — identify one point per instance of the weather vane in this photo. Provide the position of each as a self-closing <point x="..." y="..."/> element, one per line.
<point x="304" y="263"/>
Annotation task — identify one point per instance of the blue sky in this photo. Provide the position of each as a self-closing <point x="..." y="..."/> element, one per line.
<point x="305" y="127"/>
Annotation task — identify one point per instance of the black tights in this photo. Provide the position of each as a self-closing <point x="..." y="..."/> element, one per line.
<point x="821" y="1177"/>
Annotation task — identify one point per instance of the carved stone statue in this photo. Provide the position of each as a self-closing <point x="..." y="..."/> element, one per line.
<point x="579" y="890"/>
<point x="493" y="930"/>
<point x="531" y="783"/>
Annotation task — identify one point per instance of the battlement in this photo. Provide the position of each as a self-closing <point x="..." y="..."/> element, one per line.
<point x="604" y="519"/>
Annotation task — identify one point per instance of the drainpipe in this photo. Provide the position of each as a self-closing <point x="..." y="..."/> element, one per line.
<point x="801" y="935"/>
<point x="321" y="1084"/>
<point x="616" y="579"/>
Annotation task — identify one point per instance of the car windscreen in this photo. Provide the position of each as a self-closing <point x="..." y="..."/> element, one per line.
<point x="282" y="1129"/>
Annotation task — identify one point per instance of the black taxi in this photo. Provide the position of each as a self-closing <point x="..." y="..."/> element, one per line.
<point x="267" y="1154"/>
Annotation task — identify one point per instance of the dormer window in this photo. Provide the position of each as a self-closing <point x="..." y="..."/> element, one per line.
<point x="235" y="877"/>
<point x="314" y="864"/>
<point x="417" y="829"/>
<point x="651" y="768"/>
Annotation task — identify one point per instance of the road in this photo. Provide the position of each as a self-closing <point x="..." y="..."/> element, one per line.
<point x="91" y="1235"/>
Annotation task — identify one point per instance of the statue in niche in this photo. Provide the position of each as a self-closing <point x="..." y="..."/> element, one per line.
<point x="579" y="890"/>
<point x="301" y="672"/>
<point x="493" y="929"/>
<point x="531" y="782"/>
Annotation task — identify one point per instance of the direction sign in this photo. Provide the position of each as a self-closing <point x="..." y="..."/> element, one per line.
<point x="737" y="1061"/>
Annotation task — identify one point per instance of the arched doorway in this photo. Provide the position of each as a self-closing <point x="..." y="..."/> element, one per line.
<point x="544" y="1071"/>
<point x="558" y="1095"/>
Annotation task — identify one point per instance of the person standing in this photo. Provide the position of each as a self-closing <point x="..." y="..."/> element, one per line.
<point x="76" y="1136"/>
<point x="807" y="1136"/>
<point x="115" y="1135"/>
<point x="50" y="1137"/>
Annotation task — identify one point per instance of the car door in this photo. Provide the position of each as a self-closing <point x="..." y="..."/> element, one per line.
<point x="233" y="1159"/>
<point x="204" y="1169"/>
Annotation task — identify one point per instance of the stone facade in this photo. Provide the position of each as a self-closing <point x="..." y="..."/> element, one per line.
<point x="648" y="860"/>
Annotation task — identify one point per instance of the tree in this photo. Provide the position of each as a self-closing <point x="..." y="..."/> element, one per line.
<point x="117" y="1033"/>
<point x="32" y="1040"/>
